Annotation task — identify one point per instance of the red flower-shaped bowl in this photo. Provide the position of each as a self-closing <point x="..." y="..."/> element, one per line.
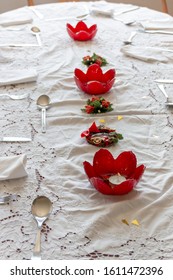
<point x="94" y="81"/>
<point x="104" y="166"/>
<point x="81" y="32"/>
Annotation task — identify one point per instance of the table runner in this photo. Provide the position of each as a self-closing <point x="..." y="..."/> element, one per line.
<point x="84" y="223"/>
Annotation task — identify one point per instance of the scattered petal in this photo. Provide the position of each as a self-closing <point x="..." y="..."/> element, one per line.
<point x="120" y="118"/>
<point x="102" y="121"/>
<point x="124" y="221"/>
<point x="135" y="222"/>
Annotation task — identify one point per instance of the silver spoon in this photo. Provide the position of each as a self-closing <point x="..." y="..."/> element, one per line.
<point x="35" y="31"/>
<point x="41" y="209"/>
<point x="43" y="103"/>
<point x="129" y="40"/>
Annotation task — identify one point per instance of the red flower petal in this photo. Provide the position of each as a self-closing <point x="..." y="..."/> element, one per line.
<point x="109" y="75"/>
<point x="95" y="87"/>
<point x="138" y="172"/>
<point x="81" y="25"/>
<point x="124" y="187"/>
<point x="79" y="74"/>
<point x="101" y="186"/>
<point x="89" y="170"/>
<point x="105" y="188"/>
<point x="125" y="164"/>
<point x="94" y="73"/>
<point x="103" y="162"/>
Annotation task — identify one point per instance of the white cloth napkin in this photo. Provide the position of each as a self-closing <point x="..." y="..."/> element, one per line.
<point x="14" y="20"/>
<point x="147" y="54"/>
<point x="166" y="24"/>
<point x="12" y="167"/>
<point x="11" y="77"/>
<point x="102" y="11"/>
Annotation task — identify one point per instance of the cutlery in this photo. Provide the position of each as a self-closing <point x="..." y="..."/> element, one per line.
<point x="35" y="31"/>
<point x="43" y="103"/>
<point x="7" y="198"/>
<point x="126" y="11"/>
<point x="15" y="97"/>
<point x="161" y="87"/>
<point x="41" y="209"/>
<point x="156" y="31"/>
<point x="18" y="45"/>
<point x="81" y="17"/>
<point x="166" y="81"/>
<point x="129" y="40"/>
<point x="15" y="139"/>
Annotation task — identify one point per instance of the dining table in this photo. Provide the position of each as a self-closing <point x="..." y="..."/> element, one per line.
<point x="86" y="223"/>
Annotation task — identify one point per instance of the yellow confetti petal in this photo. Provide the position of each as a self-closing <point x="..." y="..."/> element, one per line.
<point x="124" y="221"/>
<point x="102" y="121"/>
<point x="120" y="118"/>
<point x="135" y="222"/>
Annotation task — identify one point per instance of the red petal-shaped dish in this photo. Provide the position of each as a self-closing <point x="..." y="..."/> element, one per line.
<point x="104" y="166"/>
<point x="81" y="32"/>
<point x="94" y="81"/>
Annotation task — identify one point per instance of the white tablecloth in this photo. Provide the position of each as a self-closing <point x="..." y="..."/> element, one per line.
<point x="84" y="223"/>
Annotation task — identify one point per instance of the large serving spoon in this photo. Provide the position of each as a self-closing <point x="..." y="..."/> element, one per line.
<point x="41" y="209"/>
<point x="36" y="31"/>
<point x="43" y="103"/>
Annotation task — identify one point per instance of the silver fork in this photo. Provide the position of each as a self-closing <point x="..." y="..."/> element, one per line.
<point x="15" y="97"/>
<point x="7" y="198"/>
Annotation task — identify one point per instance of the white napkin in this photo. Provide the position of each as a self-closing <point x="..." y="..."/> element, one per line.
<point x="11" y="77"/>
<point x="166" y="24"/>
<point x="14" y="20"/>
<point x="12" y="167"/>
<point x="102" y="11"/>
<point x="148" y="54"/>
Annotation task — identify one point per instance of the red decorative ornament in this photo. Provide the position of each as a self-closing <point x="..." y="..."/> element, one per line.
<point x="94" y="81"/>
<point x="81" y="32"/>
<point x="105" y="166"/>
<point x="101" y="136"/>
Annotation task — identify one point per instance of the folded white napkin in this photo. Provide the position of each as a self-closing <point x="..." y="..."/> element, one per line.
<point x="14" y="20"/>
<point x="12" y="167"/>
<point x="11" y="77"/>
<point x="148" y="54"/>
<point x="102" y="11"/>
<point x="166" y="24"/>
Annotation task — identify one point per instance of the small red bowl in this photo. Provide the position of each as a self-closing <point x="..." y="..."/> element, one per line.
<point x="105" y="165"/>
<point x="81" y="32"/>
<point x="94" y="81"/>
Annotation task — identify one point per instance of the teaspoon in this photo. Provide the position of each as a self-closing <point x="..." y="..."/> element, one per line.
<point x="43" y="103"/>
<point x="129" y="40"/>
<point x="35" y="31"/>
<point x="41" y="209"/>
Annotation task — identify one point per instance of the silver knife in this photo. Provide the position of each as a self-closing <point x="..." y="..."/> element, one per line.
<point x="164" y="81"/>
<point x="126" y="11"/>
<point x="15" y="139"/>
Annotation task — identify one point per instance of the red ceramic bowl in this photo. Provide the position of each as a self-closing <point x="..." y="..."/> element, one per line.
<point x="105" y="166"/>
<point x="81" y="32"/>
<point x="94" y="81"/>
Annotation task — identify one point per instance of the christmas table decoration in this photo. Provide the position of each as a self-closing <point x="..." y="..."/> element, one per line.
<point x="94" y="81"/>
<point x="114" y="176"/>
<point x="81" y="32"/>
<point x="101" y="136"/>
